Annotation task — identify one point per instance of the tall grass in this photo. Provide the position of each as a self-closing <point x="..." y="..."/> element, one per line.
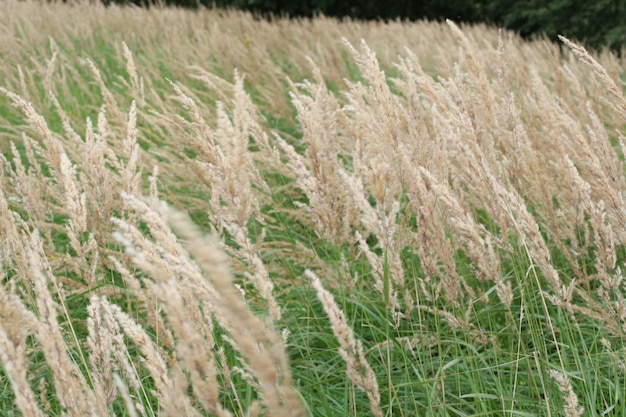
<point x="204" y="214"/>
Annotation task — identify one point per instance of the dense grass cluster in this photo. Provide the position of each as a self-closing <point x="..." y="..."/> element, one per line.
<point x="202" y="214"/>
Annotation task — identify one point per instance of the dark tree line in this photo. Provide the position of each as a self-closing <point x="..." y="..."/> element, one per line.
<point x="598" y="23"/>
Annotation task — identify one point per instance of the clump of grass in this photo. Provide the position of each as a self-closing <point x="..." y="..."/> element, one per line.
<point x="408" y="219"/>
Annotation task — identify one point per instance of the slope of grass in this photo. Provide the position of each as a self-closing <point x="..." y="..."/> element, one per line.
<point x="206" y="214"/>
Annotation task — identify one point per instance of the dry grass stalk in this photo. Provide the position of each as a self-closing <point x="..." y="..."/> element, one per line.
<point x="53" y="146"/>
<point x="601" y="73"/>
<point x="318" y="171"/>
<point x="378" y="269"/>
<point x="227" y="167"/>
<point x="194" y="346"/>
<point x="170" y="388"/>
<point x="128" y="401"/>
<point x="381" y="221"/>
<point x="100" y="343"/>
<point x="17" y="323"/>
<point x="136" y="82"/>
<point x="570" y="399"/>
<point x="9" y="234"/>
<point x="351" y="350"/>
<point x="146" y="300"/>
<point x="110" y="359"/>
<point x="109" y="100"/>
<point x="70" y="385"/>
<point x="256" y="341"/>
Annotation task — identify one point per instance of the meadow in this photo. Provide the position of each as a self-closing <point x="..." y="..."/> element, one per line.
<point x="207" y="214"/>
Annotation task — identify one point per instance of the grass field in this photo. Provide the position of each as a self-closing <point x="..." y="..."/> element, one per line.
<point x="204" y="214"/>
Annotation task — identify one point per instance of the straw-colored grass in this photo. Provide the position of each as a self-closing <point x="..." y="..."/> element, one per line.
<point x="206" y="214"/>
